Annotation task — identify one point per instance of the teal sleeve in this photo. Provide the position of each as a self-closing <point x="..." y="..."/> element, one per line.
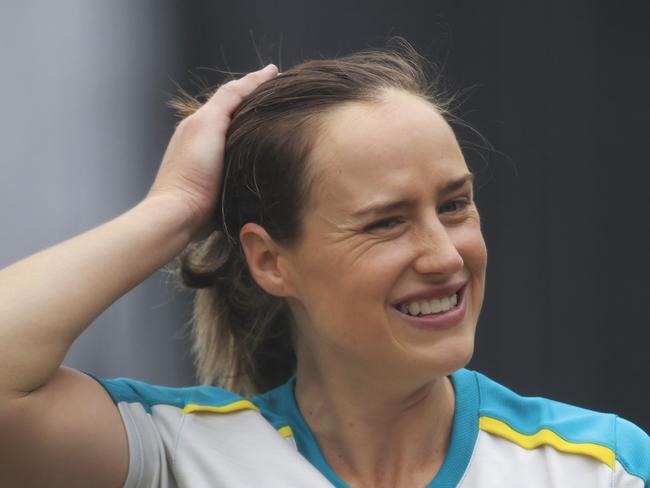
<point x="633" y="449"/>
<point x="134" y="391"/>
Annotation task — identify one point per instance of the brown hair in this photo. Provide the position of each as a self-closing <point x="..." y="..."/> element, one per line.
<point x="241" y="334"/>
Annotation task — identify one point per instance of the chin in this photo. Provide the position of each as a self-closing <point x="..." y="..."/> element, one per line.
<point x="453" y="356"/>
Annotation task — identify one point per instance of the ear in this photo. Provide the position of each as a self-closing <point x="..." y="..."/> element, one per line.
<point x="265" y="260"/>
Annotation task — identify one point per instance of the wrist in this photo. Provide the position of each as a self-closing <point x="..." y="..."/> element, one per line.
<point x="196" y="216"/>
<point x="171" y="217"/>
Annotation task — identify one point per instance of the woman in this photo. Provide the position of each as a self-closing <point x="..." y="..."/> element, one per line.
<point x="339" y="295"/>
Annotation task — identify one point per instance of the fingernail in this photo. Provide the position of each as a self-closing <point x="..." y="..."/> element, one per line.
<point x="269" y="67"/>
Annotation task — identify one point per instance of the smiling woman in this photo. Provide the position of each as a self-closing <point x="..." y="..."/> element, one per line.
<point x="339" y="283"/>
<point x="429" y="252"/>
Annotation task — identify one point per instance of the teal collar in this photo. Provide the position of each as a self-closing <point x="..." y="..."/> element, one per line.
<point x="282" y="400"/>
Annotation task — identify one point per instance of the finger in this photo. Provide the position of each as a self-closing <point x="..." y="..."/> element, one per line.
<point x="231" y="94"/>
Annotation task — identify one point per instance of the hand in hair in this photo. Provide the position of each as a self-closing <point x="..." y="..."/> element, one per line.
<point x="191" y="168"/>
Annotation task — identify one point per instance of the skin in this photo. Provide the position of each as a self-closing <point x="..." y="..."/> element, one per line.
<point x="51" y="297"/>
<point x="373" y="389"/>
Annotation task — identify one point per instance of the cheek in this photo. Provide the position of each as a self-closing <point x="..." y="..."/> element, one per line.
<point x="471" y="246"/>
<point x="345" y="294"/>
<point x="381" y="267"/>
<point x="358" y="276"/>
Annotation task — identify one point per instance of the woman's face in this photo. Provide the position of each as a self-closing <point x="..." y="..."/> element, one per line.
<point x="357" y="271"/>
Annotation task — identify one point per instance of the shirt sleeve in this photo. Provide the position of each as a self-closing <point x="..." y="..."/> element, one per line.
<point x="151" y="429"/>
<point x="632" y="468"/>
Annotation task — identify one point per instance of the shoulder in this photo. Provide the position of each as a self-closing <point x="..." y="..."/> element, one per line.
<point x="188" y="399"/>
<point x="531" y="422"/>
<point x="202" y="435"/>
<point x="134" y="395"/>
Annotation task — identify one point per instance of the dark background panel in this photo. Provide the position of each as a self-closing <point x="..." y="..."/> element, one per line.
<point x="559" y="90"/>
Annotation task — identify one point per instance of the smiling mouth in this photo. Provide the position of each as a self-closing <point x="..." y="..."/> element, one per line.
<point x="436" y="306"/>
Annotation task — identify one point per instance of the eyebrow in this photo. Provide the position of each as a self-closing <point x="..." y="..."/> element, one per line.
<point x="403" y="204"/>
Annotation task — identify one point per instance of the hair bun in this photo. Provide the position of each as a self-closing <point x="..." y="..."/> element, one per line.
<point x="203" y="263"/>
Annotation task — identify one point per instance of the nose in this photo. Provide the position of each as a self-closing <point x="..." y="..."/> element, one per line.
<point x="437" y="252"/>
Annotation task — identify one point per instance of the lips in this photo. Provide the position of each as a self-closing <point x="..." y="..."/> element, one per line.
<point x="430" y="294"/>
<point x="438" y="321"/>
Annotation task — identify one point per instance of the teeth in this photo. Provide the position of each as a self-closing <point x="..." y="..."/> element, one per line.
<point x="429" y="307"/>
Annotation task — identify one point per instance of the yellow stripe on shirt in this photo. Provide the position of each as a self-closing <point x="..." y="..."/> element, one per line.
<point x="547" y="437"/>
<point x="286" y="431"/>
<point x="229" y="408"/>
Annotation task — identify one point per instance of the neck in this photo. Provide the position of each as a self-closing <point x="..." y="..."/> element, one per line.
<point x="374" y="432"/>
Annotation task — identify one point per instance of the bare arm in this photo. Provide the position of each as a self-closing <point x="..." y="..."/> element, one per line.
<point x="51" y="297"/>
<point x="48" y="413"/>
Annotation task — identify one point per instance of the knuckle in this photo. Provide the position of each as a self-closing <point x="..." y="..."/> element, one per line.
<point x="231" y="87"/>
<point x="256" y="76"/>
<point x="203" y="123"/>
<point x="185" y="126"/>
<point x="243" y="86"/>
<point x="190" y="124"/>
<point x="255" y="79"/>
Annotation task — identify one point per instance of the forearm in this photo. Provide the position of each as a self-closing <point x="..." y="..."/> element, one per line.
<point x="51" y="297"/>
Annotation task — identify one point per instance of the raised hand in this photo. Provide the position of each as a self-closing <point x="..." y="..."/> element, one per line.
<point x="192" y="167"/>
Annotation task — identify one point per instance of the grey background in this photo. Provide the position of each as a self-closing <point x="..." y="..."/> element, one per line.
<point x="560" y="91"/>
<point x="83" y="129"/>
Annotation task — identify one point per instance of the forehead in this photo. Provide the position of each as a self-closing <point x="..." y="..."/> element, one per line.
<point x="377" y="150"/>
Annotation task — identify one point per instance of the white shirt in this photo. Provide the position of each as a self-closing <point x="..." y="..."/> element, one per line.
<point x="208" y="437"/>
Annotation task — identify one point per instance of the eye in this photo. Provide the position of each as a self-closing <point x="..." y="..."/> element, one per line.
<point x="455" y="206"/>
<point x="387" y="223"/>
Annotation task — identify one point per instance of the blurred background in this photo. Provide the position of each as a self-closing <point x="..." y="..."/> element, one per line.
<point x="559" y="89"/>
